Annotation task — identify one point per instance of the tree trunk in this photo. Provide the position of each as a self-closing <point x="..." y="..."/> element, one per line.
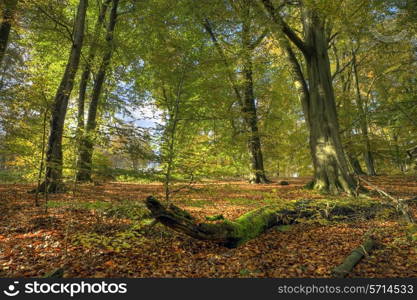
<point x="6" y="25"/>
<point x="87" y="142"/>
<point x="53" y="179"/>
<point x="250" y="225"/>
<point x="87" y="67"/>
<point x="249" y="110"/>
<point x="330" y="166"/>
<point x="331" y="173"/>
<point x="367" y="154"/>
<point x="247" y="101"/>
<point x="82" y="156"/>
<point x="356" y="165"/>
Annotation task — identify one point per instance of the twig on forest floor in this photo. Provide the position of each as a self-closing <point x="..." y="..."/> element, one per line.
<point x="400" y="205"/>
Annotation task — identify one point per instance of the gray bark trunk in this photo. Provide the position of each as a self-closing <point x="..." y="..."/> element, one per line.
<point x="6" y="25"/>
<point x="329" y="160"/>
<point x="331" y="171"/>
<point x="87" y="142"/>
<point x="53" y="177"/>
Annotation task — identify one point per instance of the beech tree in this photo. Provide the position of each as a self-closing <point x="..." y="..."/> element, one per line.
<point x="331" y="171"/>
<point x="53" y="177"/>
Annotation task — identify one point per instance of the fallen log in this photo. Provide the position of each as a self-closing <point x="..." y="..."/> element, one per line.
<point x="353" y="259"/>
<point x="250" y="225"/>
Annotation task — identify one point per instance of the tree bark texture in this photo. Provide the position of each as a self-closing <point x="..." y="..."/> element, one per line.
<point x="331" y="173"/>
<point x="87" y="142"/>
<point x="53" y="178"/>
<point x="6" y="25"/>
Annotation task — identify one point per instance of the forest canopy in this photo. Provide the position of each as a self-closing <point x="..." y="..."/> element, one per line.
<point x="220" y="88"/>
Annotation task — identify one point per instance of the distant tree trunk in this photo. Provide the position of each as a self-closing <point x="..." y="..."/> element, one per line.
<point x="6" y="25"/>
<point x="87" y="142"/>
<point x="367" y="154"/>
<point x="331" y="173"/>
<point x="53" y="182"/>
<point x="398" y="159"/>
<point x="356" y="165"/>
<point x="249" y="110"/>
<point x="247" y="101"/>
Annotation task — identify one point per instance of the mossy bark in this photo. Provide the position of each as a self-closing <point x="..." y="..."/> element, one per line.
<point x="250" y="225"/>
<point x="353" y="259"/>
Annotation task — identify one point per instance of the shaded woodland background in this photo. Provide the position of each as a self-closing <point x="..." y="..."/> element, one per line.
<point x="221" y="110"/>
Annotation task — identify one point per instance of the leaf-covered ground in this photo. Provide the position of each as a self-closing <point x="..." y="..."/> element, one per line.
<point x="98" y="231"/>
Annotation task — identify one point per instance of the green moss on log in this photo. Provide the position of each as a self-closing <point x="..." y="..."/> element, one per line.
<point x="353" y="259"/>
<point x="232" y="233"/>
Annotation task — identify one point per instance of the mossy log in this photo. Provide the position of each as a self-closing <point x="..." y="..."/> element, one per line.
<point x="353" y="259"/>
<point x="250" y="225"/>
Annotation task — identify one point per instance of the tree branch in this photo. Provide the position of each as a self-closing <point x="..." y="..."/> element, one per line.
<point x="285" y="28"/>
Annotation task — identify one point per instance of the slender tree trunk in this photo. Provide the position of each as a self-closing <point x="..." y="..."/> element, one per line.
<point x="83" y="88"/>
<point x="53" y="178"/>
<point x="249" y="110"/>
<point x="87" y="67"/>
<point x="367" y="154"/>
<point x="247" y="101"/>
<point x="6" y="25"/>
<point x="87" y="142"/>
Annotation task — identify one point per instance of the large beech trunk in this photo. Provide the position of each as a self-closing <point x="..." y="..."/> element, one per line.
<point x="329" y="160"/>
<point x="250" y="225"/>
<point x="87" y="140"/>
<point x="6" y="25"/>
<point x="331" y="173"/>
<point x="53" y="177"/>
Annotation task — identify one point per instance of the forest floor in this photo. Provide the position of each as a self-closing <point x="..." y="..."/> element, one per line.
<point x="93" y="232"/>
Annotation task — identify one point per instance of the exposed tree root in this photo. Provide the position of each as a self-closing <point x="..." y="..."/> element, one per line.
<point x="50" y="188"/>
